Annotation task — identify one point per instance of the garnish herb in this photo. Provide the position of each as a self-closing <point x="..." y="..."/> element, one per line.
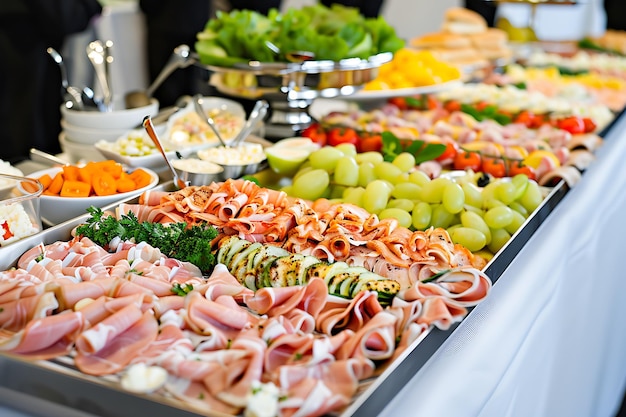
<point x="422" y="151"/>
<point x="181" y="290"/>
<point x="176" y="240"/>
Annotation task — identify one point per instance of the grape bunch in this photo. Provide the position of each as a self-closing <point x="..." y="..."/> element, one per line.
<point x="479" y="217"/>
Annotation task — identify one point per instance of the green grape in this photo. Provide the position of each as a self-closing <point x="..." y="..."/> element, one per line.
<point x="498" y="217"/>
<point x="348" y="149"/>
<point x="489" y="191"/>
<point x="347" y="172"/>
<point x="370" y="156"/>
<point x="354" y="196"/>
<point x="287" y="189"/>
<point x="432" y="192"/>
<point x="311" y="185"/>
<point x="516" y="223"/>
<point x="401" y="203"/>
<point x="452" y="228"/>
<point x="490" y="203"/>
<point x="387" y="171"/>
<point x="472" y="239"/>
<point x="473" y="194"/>
<point x="419" y="177"/>
<point x="506" y="192"/>
<point x="406" y="190"/>
<point x="519" y="208"/>
<point x="520" y="181"/>
<point x="336" y="191"/>
<point x="376" y="196"/>
<point x="403" y="216"/>
<point x="325" y="158"/>
<point x="441" y="217"/>
<point x="405" y="161"/>
<point x="402" y="178"/>
<point x="532" y="198"/>
<point x="475" y="221"/>
<point x="421" y="215"/>
<point x="453" y="198"/>
<point x="366" y="173"/>
<point x="499" y="237"/>
<point x="473" y="209"/>
<point x="301" y="170"/>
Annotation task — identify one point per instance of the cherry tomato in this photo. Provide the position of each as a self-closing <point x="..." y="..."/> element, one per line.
<point x="399" y="102"/>
<point x="452" y="106"/>
<point x="572" y="124"/>
<point x="590" y="125"/>
<point x="316" y="133"/>
<point x="493" y="166"/>
<point x="525" y="117"/>
<point x="517" y="167"/>
<point x="449" y="153"/>
<point x="432" y="103"/>
<point x="338" y="135"/>
<point x="467" y="160"/>
<point x="370" y="142"/>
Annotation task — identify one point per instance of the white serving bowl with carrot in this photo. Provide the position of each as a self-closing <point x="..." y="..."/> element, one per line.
<point x="69" y="190"/>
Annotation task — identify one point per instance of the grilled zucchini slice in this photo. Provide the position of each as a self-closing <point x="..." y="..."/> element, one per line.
<point x="261" y="262"/>
<point x="239" y="263"/>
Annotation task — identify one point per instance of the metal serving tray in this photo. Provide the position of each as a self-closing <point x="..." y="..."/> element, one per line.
<point x="30" y="385"/>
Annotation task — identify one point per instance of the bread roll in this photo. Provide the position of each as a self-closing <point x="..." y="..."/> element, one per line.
<point x="463" y="21"/>
<point x="441" y="40"/>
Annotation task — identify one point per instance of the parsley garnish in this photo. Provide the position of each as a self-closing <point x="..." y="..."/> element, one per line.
<point x="176" y="240"/>
<point x="181" y="290"/>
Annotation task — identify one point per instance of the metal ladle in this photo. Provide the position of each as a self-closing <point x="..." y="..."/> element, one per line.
<point x="178" y="182"/>
<point x="181" y="58"/>
<point x="197" y="103"/>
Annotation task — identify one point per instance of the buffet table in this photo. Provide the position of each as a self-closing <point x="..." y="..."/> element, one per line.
<point x="548" y="341"/>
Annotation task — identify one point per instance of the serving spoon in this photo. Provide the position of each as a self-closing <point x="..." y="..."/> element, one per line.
<point x="98" y="57"/>
<point x="257" y="114"/>
<point x="147" y="124"/>
<point x="181" y="58"/>
<point x="197" y="104"/>
<point x="73" y="94"/>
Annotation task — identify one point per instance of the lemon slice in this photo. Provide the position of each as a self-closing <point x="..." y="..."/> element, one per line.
<point x="534" y="158"/>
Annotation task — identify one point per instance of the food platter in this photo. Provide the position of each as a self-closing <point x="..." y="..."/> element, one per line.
<point x="371" y="95"/>
<point x="290" y="88"/>
<point x="59" y="382"/>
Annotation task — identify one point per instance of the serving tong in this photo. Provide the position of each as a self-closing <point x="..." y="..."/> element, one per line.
<point x="178" y="182"/>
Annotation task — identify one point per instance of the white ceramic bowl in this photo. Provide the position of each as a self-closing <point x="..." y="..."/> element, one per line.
<point x="187" y="131"/>
<point x="79" y="152"/>
<point x="116" y="119"/>
<point x="136" y="149"/>
<point x="88" y="135"/>
<point x="55" y="210"/>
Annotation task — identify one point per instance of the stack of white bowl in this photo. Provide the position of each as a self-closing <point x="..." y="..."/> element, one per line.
<point x="82" y="129"/>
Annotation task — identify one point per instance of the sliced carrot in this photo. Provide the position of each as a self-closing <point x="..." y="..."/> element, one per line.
<point x="85" y="173"/>
<point x="141" y="177"/>
<point x="70" y="172"/>
<point x="74" y="188"/>
<point x="110" y="166"/>
<point x="45" y="180"/>
<point x="125" y="184"/>
<point x="103" y="183"/>
<point x="56" y="184"/>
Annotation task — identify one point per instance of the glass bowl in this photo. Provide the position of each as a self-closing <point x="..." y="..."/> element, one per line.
<point x="19" y="208"/>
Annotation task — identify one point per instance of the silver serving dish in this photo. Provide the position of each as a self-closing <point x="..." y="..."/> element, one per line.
<point x="290" y="88"/>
